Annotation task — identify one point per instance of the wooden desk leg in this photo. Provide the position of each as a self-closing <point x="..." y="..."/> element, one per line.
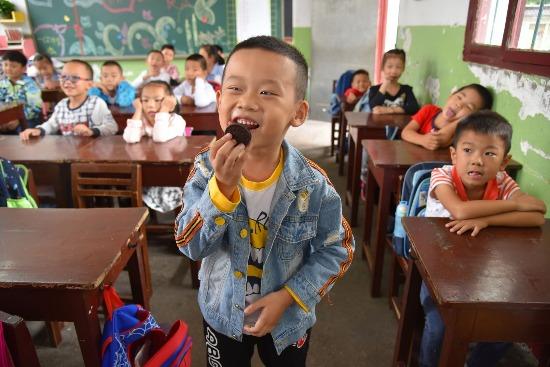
<point x="380" y="234"/>
<point x="355" y="179"/>
<point x="367" y="223"/>
<point x="349" y="177"/>
<point x="458" y="324"/>
<point x="138" y="281"/>
<point x="410" y="316"/>
<point x="342" y="138"/>
<point x="87" y="328"/>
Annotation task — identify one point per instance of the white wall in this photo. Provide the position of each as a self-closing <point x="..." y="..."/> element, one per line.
<point x="343" y="37"/>
<point x="433" y="12"/>
<point x="20" y="5"/>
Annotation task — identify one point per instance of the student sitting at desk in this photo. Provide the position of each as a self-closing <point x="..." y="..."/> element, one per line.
<point x="475" y="192"/>
<point x="433" y="127"/>
<point x="360" y="83"/>
<point x="78" y="113"/>
<point x="214" y="63"/>
<point x="155" y="63"/>
<point x="47" y="76"/>
<point x="195" y="90"/>
<point x="155" y="117"/>
<point x="16" y="87"/>
<point x="391" y="96"/>
<point x="112" y="88"/>
<point x="169" y="51"/>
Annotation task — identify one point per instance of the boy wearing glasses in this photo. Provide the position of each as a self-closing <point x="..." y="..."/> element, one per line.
<point x="78" y="114"/>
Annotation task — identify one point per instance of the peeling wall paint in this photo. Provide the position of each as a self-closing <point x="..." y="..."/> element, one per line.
<point x="406" y="36"/>
<point x="525" y="147"/>
<point x="432" y="86"/>
<point x="533" y="95"/>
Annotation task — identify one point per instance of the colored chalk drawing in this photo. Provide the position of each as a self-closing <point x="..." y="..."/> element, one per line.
<point x="203" y="11"/>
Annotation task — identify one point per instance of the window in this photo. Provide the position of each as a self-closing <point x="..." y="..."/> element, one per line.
<point x="512" y="34"/>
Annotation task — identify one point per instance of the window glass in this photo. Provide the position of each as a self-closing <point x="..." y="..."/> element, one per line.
<point x="532" y="26"/>
<point x="490" y="22"/>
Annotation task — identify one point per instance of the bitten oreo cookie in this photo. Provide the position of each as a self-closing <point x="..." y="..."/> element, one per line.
<point x="240" y="133"/>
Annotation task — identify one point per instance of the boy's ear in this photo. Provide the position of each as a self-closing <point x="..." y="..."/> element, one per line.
<point x="218" y="97"/>
<point x="505" y="161"/>
<point x="300" y="115"/>
<point x="453" y="154"/>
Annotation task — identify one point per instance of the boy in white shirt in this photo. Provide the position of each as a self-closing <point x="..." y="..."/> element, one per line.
<point x="195" y="90"/>
<point x="155" y="65"/>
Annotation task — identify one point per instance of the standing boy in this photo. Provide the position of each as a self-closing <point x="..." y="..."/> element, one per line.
<point x="265" y="220"/>
<point x="16" y="86"/>
<point x="195" y="90"/>
<point x="78" y="113"/>
<point x="112" y="88"/>
<point x="475" y="192"/>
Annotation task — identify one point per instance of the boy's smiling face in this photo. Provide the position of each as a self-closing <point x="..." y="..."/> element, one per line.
<point x="13" y="70"/>
<point x="81" y="79"/>
<point x="259" y="92"/>
<point x="478" y="157"/>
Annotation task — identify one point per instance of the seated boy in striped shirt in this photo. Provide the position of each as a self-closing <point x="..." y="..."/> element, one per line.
<point x="475" y="192"/>
<point x="78" y="114"/>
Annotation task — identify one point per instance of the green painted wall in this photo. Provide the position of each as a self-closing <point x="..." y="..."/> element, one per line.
<point x="435" y="67"/>
<point x="301" y="38"/>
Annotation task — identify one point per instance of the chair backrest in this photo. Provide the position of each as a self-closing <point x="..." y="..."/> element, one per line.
<point x="114" y="180"/>
<point x="52" y="95"/>
<point x="19" y="341"/>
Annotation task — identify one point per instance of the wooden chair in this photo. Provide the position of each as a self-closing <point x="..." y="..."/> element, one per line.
<point x="92" y="183"/>
<point x="343" y="134"/>
<point x="19" y="341"/>
<point x="13" y="112"/>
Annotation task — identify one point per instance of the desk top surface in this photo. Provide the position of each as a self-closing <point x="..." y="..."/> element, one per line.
<point x="56" y="148"/>
<point x="399" y="153"/>
<point x="500" y="265"/>
<point x="73" y="248"/>
<point x="367" y="119"/>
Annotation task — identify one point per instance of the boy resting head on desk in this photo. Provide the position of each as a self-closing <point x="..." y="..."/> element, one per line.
<point x="433" y="127"/>
<point x="476" y="193"/>
<point x="195" y="90"/>
<point x="112" y="88"/>
<point x="265" y="220"/>
<point x="78" y="113"/>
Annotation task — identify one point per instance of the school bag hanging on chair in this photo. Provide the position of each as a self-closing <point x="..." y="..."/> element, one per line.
<point x="132" y="337"/>
<point x="414" y="195"/>
<point x="13" y="186"/>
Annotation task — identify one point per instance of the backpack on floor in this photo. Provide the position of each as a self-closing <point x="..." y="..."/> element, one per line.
<point x="414" y="195"/>
<point x="13" y="186"/>
<point x="132" y="337"/>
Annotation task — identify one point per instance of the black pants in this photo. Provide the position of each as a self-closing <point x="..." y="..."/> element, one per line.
<point x="222" y="351"/>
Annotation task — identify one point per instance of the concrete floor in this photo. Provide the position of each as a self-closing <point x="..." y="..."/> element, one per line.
<point x="352" y="328"/>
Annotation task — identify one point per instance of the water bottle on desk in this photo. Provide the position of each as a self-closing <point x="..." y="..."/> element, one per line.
<point x="398" y="230"/>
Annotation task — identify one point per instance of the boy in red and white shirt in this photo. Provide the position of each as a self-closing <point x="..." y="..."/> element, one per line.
<point x="475" y="193"/>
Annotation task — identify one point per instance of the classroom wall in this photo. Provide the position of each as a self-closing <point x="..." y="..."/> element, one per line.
<point x="432" y="34"/>
<point x="343" y="36"/>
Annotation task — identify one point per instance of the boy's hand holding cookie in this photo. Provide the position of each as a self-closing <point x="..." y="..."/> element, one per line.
<point x="227" y="157"/>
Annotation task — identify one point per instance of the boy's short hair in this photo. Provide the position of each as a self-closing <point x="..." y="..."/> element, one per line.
<point x="275" y="45"/>
<point x="158" y="83"/>
<point x="112" y="63"/>
<point x="396" y="52"/>
<point x="155" y="51"/>
<point x="359" y="72"/>
<point x="199" y="58"/>
<point x="43" y="57"/>
<point x="15" y="56"/>
<point x="483" y="92"/>
<point x="86" y="65"/>
<point x="168" y="46"/>
<point x="488" y="123"/>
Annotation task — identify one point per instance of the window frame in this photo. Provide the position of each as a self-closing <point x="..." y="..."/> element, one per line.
<point x="531" y="62"/>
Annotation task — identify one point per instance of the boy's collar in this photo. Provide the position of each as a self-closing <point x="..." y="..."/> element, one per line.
<point x="491" y="188"/>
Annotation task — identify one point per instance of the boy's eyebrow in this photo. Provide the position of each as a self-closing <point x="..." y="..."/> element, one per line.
<point x="261" y="81"/>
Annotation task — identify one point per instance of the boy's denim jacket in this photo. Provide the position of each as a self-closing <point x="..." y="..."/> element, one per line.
<point x="309" y="246"/>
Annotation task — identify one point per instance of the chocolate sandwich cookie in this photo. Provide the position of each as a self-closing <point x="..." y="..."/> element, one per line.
<point x="240" y="133"/>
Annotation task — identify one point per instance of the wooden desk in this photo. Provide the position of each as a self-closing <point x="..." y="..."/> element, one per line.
<point x="55" y="262"/>
<point x="200" y="119"/>
<point x="13" y="111"/>
<point x="387" y="160"/>
<point x="165" y="164"/>
<point x="493" y="287"/>
<point x="52" y="95"/>
<point x="364" y="125"/>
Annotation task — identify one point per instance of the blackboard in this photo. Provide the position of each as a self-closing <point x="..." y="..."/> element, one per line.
<point x="103" y="29"/>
